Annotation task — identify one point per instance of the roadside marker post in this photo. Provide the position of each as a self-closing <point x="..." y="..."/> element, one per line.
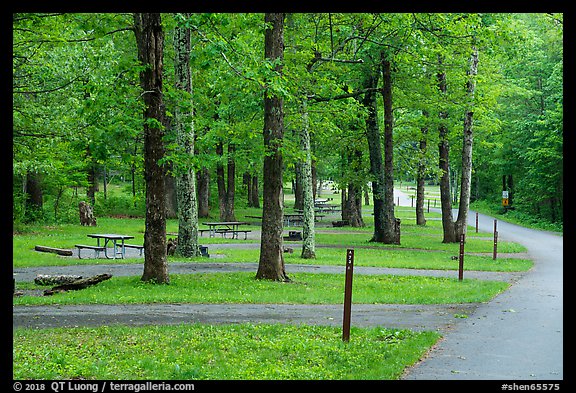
<point x="461" y="259"/>
<point x="476" y="222"/>
<point x="494" y="253"/>
<point x="348" y="295"/>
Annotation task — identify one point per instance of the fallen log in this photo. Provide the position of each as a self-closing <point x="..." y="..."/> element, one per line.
<point x="59" y="251"/>
<point x="78" y="284"/>
<point x="50" y="279"/>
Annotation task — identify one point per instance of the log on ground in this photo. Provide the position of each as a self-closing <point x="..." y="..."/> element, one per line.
<point x="59" y="251"/>
<point x="78" y="284"/>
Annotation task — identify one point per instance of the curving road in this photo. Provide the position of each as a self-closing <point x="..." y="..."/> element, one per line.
<point x="518" y="335"/>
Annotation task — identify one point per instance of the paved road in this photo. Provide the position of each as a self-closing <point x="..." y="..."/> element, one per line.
<point x="518" y="335"/>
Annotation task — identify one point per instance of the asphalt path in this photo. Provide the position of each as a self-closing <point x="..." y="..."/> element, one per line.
<point x="519" y="334"/>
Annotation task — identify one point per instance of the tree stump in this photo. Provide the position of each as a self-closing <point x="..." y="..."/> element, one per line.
<point x="171" y="246"/>
<point x="86" y="214"/>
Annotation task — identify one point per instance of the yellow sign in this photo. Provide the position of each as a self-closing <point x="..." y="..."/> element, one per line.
<point x="504" y="201"/>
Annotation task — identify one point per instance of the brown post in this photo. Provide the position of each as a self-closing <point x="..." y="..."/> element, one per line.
<point x="476" y="222"/>
<point x="461" y="259"/>
<point x="348" y="295"/>
<point x="495" y="241"/>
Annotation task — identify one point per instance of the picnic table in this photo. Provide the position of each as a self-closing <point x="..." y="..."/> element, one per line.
<point x="118" y="249"/>
<point x="224" y="227"/>
<point x="293" y="218"/>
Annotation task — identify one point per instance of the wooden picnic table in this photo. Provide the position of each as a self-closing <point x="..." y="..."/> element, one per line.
<point x="224" y="227"/>
<point x="118" y="249"/>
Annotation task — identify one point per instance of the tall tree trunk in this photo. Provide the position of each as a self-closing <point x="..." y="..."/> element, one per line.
<point x="91" y="177"/>
<point x="462" y="221"/>
<point x="254" y="192"/>
<point x="298" y="194"/>
<point x="185" y="175"/>
<point x="171" y="193"/>
<point x="271" y="263"/>
<point x="391" y="223"/>
<point x="376" y="165"/>
<point x="230" y="184"/>
<point x="308" y="230"/>
<point x="150" y="42"/>
<point x="33" y="202"/>
<point x="203" y="178"/>
<point x="444" y="165"/>
<point x="421" y="174"/>
<point x="354" y="206"/>
<point x="226" y="187"/>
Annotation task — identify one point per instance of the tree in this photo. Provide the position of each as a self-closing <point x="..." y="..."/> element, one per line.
<point x="184" y="124"/>
<point x="150" y="42"/>
<point x="271" y="262"/>
<point x="467" y="142"/>
<point x="308" y="230"/>
<point x="391" y="224"/>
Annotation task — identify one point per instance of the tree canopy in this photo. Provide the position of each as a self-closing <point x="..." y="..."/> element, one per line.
<point x="78" y="103"/>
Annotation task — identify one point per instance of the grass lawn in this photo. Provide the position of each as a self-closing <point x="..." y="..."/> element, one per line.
<point x="222" y="352"/>
<point x="305" y="288"/>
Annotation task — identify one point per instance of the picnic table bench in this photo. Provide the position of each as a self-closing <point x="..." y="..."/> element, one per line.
<point x="97" y="249"/>
<point x="225" y="227"/>
<point x="118" y="249"/>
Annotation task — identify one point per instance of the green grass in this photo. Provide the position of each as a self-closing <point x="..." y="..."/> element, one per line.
<point x="414" y="240"/>
<point x="305" y="288"/>
<point x="222" y="352"/>
<point x="388" y="258"/>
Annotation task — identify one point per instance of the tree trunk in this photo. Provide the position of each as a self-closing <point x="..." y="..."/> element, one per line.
<point x="420" y="175"/>
<point x="354" y="206"/>
<point x="254" y="192"/>
<point x="150" y="41"/>
<point x="34" y="196"/>
<point x="171" y="195"/>
<point x="203" y="192"/>
<point x="271" y="263"/>
<point x="444" y="165"/>
<point x="466" y="180"/>
<point x="308" y="230"/>
<point x="92" y="181"/>
<point x="352" y="201"/>
<point x="298" y="193"/>
<point x="376" y="165"/>
<point x="391" y="223"/>
<point x="185" y="176"/>
<point x="226" y="187"/>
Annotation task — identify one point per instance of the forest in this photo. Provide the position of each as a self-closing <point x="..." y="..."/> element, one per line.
<point x="221" y="109"/>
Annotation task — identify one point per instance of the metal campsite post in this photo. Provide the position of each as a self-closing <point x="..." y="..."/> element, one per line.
<point x="476" y="222"/>
<point x="461" y="259"/>
<point x="495" y="241"/>
<point x="348" y="295"/>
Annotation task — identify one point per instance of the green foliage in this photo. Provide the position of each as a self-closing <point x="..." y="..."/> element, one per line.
<point x="77" y="102"/>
